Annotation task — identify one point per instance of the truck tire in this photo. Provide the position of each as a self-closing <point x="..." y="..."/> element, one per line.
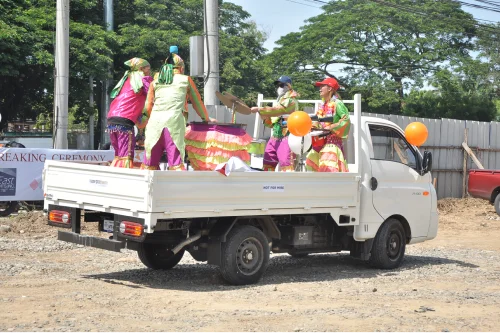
<point x="158" y="256"/>
<point x="497" y="204"/>
<point x="8" y="207"/>
<point x="245" y="255"/>
<point x="389" y="246"/>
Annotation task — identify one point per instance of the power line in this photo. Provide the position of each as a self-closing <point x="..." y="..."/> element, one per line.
<point x="410" y="10"/>
<point x="490" y="2"/>
<point x="319" y="1"/>
<point x="304" y="4"/>
<point x="493" y="9"/>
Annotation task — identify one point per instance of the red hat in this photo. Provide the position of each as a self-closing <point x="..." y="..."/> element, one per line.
<point x="330" y="81"/>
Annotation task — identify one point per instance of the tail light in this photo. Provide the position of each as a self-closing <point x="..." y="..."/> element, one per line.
<point x="131" y="228"/>
<point x="59" y="216"/>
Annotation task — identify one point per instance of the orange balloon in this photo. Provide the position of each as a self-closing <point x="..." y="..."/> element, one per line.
<point x="416" y="133"/>
<point x="299" y="123"/>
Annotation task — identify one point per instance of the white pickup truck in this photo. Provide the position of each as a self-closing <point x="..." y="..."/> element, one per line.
<point x="384" y="202"/>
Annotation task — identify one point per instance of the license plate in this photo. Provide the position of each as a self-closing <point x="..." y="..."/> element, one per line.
<point x="108" y="225"/>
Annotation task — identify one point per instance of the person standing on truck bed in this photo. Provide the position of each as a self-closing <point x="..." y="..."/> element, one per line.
<point x="277" y="148"/>
<point x="125" y="110"/>
<point x="330" y="157"/>
<point x="166" y="107"/>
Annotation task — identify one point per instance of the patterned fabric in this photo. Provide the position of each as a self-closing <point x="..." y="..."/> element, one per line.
<point x="341" y="121"/>
<point x="329" y="159"/>
<point x="123" y="142"/>
<point x="285" y="104"/>
<point x="331" y="156"/>
<point x="166" y="106"/>
<point x="167" y="71"/>
<point x="133" y="74"/>
<point x="208" y="145"/>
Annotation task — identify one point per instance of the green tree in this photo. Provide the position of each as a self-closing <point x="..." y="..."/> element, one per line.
<point x="398" y="40"/>
<point x="27" y="42"/>
<point x="488" y="43"/>
<point x="465" y="95"/>
<point x="157" y="24"/>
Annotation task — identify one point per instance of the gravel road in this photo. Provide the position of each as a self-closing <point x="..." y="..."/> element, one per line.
<point x="448" y="284"/>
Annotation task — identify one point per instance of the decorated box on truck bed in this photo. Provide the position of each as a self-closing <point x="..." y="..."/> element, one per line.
<point x="383" y="203"/>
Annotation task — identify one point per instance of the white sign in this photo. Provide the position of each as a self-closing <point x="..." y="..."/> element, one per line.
<point x="273" y="188"/>
<point x="21" y="169"/>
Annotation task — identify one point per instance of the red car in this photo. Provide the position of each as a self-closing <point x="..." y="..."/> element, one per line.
<point x="485" y="184"/>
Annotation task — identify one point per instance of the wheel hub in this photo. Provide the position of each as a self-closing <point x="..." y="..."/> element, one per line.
<point x="393" y="245"/>
<point x="248" y="257"/>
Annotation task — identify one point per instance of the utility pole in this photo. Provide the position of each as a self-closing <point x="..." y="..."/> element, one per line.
<point x="108" y="20"/>
<point x="211" y="52"/>
<point x="61" y="75"/>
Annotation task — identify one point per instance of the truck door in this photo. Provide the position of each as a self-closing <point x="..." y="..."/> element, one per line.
<point x="396" y="183"/>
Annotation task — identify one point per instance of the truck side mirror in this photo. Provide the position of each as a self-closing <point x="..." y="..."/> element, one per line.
<point x="426" y="163"/>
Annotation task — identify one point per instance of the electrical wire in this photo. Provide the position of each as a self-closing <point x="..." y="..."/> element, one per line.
<point x="304" y="4"/>
<point x="440" y="16"/>
<point x="493" y="9"/>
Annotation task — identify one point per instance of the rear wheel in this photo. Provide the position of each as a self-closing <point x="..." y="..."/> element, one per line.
<point x="8" y="207"/>
<point x="497" y="204"/>
<point x="389" y="245"/>
<point x="158" y="256"/>
<point x="245" y="255"/>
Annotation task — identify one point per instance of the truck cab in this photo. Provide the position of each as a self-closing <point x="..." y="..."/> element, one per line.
<point x="383" y="203"/>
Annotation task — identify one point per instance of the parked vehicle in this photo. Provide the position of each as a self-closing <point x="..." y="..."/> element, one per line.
<point x="383" y="203"/>
<point x="485" y="184"/>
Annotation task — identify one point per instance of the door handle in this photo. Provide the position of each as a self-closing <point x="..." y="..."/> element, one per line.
<point x="373" y="183"/>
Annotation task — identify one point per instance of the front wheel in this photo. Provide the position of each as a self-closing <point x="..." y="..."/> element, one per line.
<point x="497" y="204"/>
<point x="245" y="255"/>
<point x="158" y="256"/>
<point x="389" y="245"/>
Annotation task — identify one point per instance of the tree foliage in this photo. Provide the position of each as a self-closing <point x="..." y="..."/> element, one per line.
<point x="376" y="41"/>
<point x="143" y="28"/>
<point x="27" y="43"/>
<point x="467" y="96"/>
<point x="390" y="50"/>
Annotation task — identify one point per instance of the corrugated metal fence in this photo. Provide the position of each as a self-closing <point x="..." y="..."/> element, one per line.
<point x="445" y="142"/>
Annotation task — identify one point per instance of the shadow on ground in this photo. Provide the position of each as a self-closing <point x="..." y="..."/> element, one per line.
<point x="281" y="269"/>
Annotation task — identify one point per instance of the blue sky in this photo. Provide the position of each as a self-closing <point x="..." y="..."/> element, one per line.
<point x="280" y="17"/>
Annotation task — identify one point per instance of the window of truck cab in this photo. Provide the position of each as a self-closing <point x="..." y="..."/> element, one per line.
<point x="388" y="144"/>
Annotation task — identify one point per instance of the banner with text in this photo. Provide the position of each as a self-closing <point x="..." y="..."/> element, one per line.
<point x="21" y="169"/>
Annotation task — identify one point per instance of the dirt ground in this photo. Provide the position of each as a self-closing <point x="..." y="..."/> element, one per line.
<point x="447" y="284"/>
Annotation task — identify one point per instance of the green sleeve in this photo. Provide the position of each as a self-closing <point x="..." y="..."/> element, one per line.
<point x="340" y="111"/>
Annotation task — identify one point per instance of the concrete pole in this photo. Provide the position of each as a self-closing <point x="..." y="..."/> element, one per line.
<point x="108" y="20"/>
<point x="211" y="52"/>
<point x="61" y="75"/>
<point x="91" y="116"/>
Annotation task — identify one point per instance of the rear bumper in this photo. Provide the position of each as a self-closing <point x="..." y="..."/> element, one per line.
<point x="97" y="242"/>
